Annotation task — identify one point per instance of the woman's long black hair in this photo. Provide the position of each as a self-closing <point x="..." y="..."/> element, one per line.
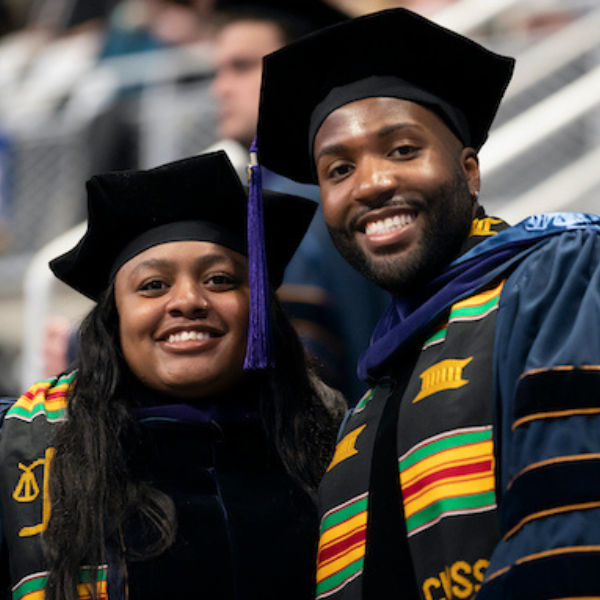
<point x="92" y="489"/>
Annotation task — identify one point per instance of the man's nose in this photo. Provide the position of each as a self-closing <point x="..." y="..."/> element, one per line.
<point x="374" y="181"/>
<point x="219" y="85"/>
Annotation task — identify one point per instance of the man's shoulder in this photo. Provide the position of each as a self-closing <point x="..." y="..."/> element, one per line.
<point x="547" y="225"/>
<point x="562" y="237"/>
<point x="539" y="235"/>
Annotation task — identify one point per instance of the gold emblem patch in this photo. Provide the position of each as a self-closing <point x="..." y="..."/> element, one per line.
<point x="484" y="226"/>
<point x="346" y="447"/>
<point x="28" y="490"/>
<point x="445" y="375"/>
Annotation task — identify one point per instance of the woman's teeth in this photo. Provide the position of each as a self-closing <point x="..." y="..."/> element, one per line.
<point x="185" y="336"/>
<point x="389" y="224"/>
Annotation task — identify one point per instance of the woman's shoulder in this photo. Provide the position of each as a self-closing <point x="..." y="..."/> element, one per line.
<point x="48" y="397"/>
<point x="5" y="404"/>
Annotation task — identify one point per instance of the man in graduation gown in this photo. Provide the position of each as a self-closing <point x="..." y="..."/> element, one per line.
<point x="471" y="467"/>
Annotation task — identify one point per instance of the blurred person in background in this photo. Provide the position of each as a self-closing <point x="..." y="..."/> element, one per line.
<point x="426" y="8"/>
<point x="180" y="459"/>
<point x="142" y="25"/>
<point x="7" y="19"/>
<point x="14" y="13"/>
<point x="332" y="307"/>
<point x="58" y="44"/>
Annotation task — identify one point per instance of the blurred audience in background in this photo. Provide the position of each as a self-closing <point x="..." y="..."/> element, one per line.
<point x="58" y="43"/>
<point x="426" y="8"/>
<point x="333" y="308"/>
<point x="90" y="86"/>
<point x="141" y="25"/>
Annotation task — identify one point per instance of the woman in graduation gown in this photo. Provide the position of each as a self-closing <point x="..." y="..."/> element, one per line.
<point x="175" y="461"/>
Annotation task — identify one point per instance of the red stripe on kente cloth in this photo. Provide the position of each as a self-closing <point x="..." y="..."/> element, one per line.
<point x="470" y="469"/>
<point x="337" y="549"/>
<point x="59" y="394"/>
<point x="30" y="395"/>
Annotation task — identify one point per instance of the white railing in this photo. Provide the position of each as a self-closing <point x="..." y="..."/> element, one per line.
<point x="554" y="52"/>
<point x="467" y="16"/>
<point x="38" y="290"/>
<point x="575" y="183"/>
<point x="524" y="132"/>
<point x="516" y="138"/>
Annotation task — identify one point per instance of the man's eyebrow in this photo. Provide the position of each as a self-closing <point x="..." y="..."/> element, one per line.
<point x="330" y="149"/>
<point x="394" y="127"/>
<point x="387" y="130"/>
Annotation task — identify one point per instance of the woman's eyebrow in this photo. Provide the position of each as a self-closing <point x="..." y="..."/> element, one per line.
<point x="206" y="260"/>
<point x="153" y="263"/>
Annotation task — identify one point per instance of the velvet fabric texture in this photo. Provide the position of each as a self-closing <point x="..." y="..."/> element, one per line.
<point x="245" y="529"/>
<point x="126" y="205"/>
<point x="390" y="43"/>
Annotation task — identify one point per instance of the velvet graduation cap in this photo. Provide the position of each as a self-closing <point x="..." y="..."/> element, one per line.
<point x="394" y="53"/>
<point x="199" y="198"/>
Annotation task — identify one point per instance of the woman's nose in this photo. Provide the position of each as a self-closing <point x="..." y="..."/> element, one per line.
<point x="188" y="299"/>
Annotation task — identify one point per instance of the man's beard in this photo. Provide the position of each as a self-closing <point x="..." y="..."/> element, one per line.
<point x="448" y="214"/>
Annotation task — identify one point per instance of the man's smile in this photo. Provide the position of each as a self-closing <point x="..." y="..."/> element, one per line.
<point x="386" y="226"/>
<point x="389" y="224"/>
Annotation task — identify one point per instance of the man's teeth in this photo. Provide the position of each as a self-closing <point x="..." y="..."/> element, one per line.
<point x="185" y="336"/>
<point x="389" y="224"/>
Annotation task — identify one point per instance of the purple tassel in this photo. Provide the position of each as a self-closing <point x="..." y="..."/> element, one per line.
<point x="259" y="351"/>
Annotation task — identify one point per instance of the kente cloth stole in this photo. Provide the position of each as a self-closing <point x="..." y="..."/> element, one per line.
<point x="445" y="464"/>
<point x="26" y="454"/>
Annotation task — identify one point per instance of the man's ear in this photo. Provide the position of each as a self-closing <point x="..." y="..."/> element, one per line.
<point x="470" y="165"/>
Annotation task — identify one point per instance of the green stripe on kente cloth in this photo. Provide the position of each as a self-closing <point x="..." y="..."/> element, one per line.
<point x="451" y="441"/>
<point x="438" y="335"/>
<point x="63" y="379"/>
<point x="364" y="400"/>
<point x="39" y="409"/>
<point x="31" y="585"/>
<point x="343" y="514"/>
<point x="449" y="505"/>
<point x="85" y="576"/>
<point x="338" y="578"/>
<point x="68" y="379"/>
<point x="474" y="311"/>
<point x="38" y="583"/>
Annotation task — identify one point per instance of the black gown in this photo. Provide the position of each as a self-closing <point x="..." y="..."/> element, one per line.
<point x="245" y="529"/>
